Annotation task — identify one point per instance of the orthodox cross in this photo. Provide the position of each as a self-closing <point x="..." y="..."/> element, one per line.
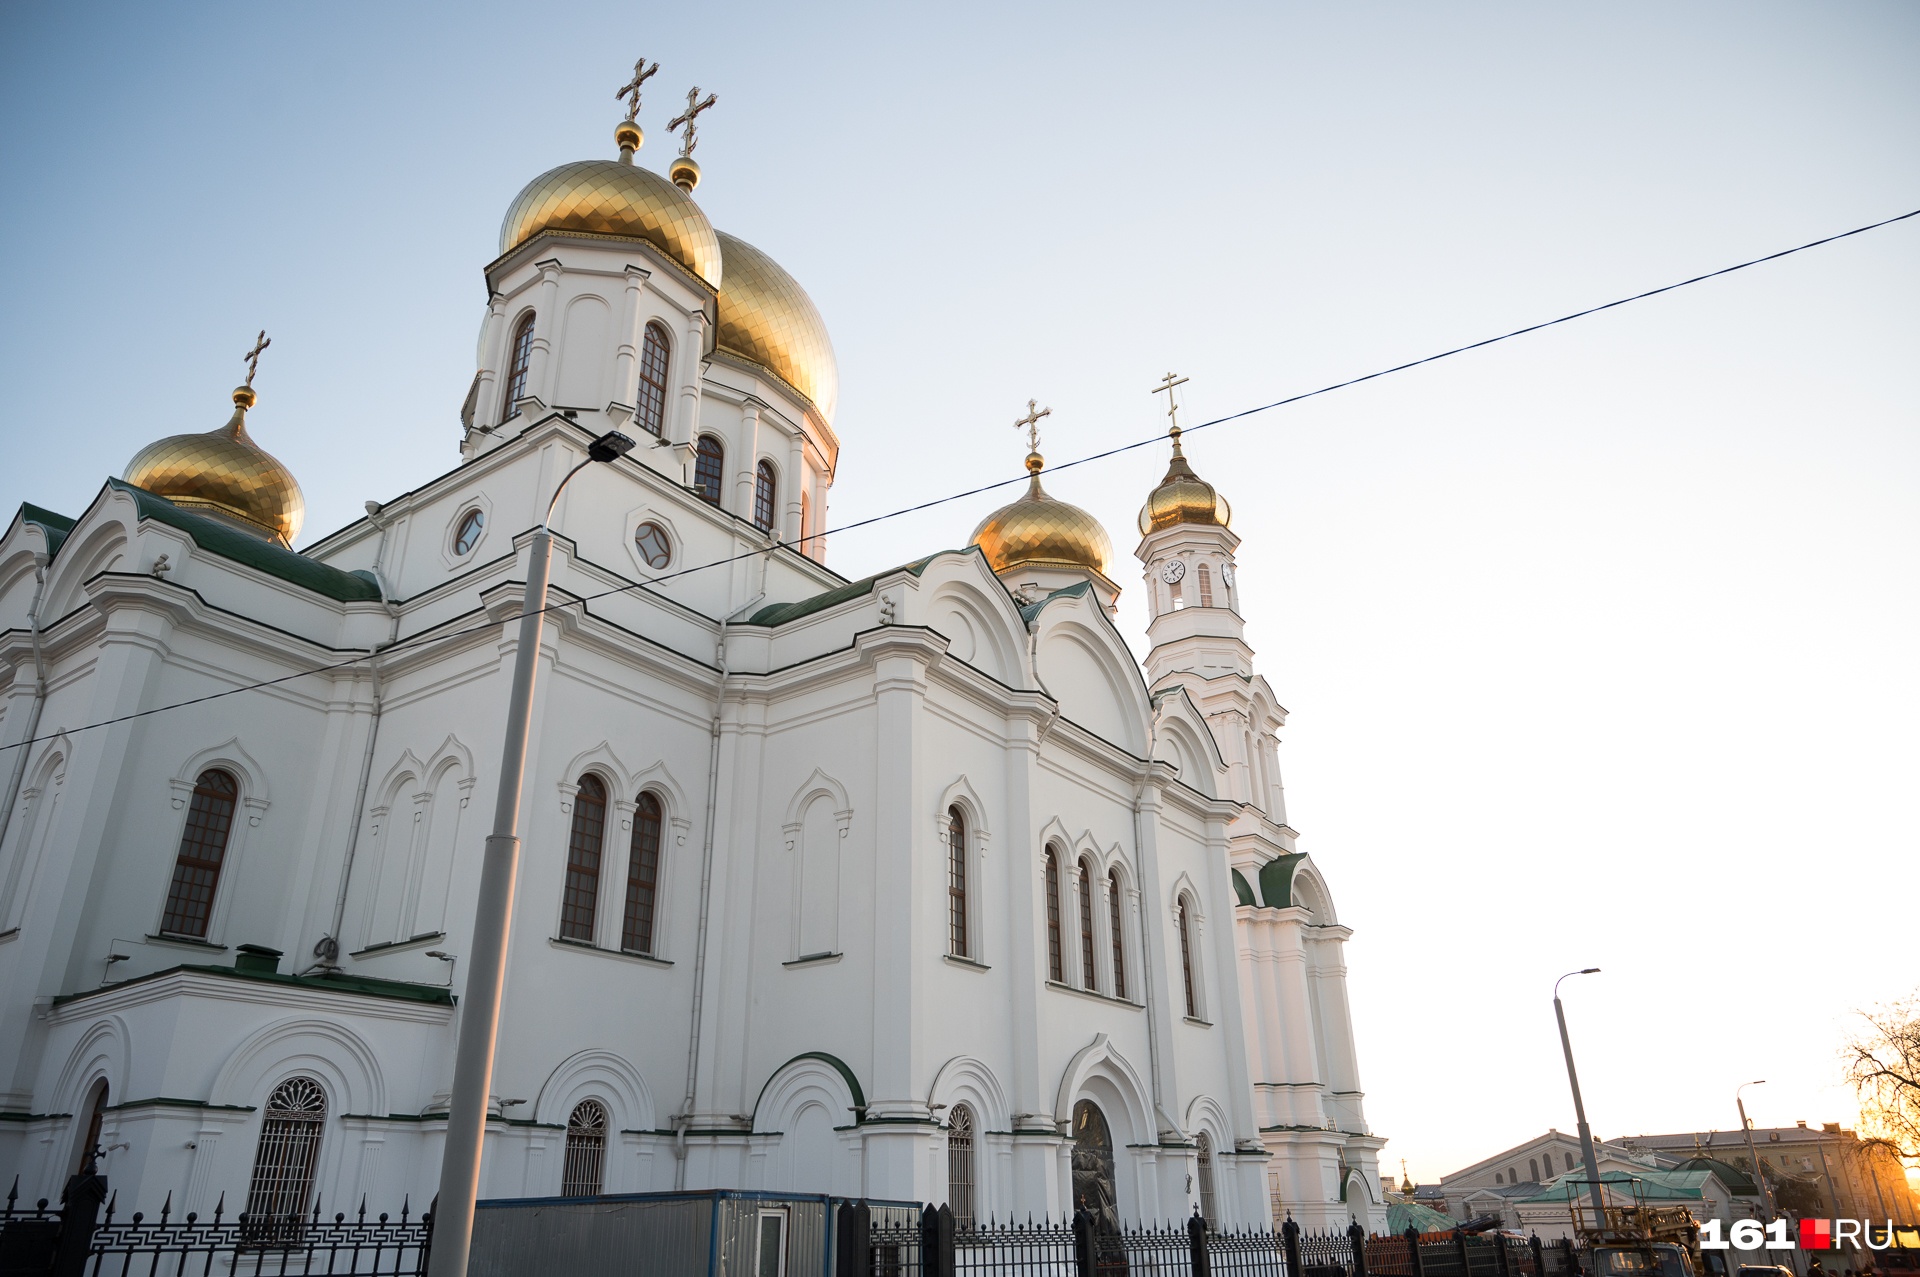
<point x="631" y="90"/>
<point x="1166" y="385"/>
<point x="252" y="357"/>
<point x="1031" y="424"/>
<point x="686" y="117"/>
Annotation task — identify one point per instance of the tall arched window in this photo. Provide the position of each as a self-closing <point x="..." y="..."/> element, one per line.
<point x="651" y="410"/>
<point x="583" y="861"/>
<point x="1206" y="585"/>
<point x="89" y="1145"/>
<point x="1115" y="918"/>
<point x="643" y="876"/>
<point x="763" y="492"/>
<point x="203" y="846"/>
<point x="1084" y="889"/>
<point x="960" y="1174"/>
<point x="709" y="463"/>
<point x="1056" y="961"/>
<point x="284" y="1165"/>
<point x="1203" y="1150"/>
<point x="1186" y="959"/>
<point x="956" y="883"/>
<point x="586" y="1160"/>
<point x="519" y="359"/>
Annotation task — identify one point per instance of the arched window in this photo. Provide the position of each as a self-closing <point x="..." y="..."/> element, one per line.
<point x="643" y="876"/>
<point x="1205" y="579"/>
<point x="1114" y="921"/>
<point x="960" y="1181"/>
<point x="203" y="846"/>
<point x="1203" y="1155"/>
<point x="1533" y="1169"/>
<point x="1179" y="600"/>
<point x="586" y="1161"/>
<point x="284" y="1165"/>
<point x="1084" y="889"/>
<point x="583" y="861"/>
<point x="519" y="358"/>
<point x="1056" y="961"/>
<point x="467" y="535"/>
<point x="1186" y="960"/>
<point x="709" y="461"/>
<point x="956" y="884"/>
<point x="763" y="492"/>
<point x="89" y="1145"/>
<point x="806" y="519"/>
<point x="651" y="411"/>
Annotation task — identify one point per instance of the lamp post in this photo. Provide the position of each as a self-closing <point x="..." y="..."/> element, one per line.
<point x="493" y="916"/>
<point x="1587" y="1158"/>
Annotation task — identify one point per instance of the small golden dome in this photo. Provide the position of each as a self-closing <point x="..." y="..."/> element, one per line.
<point x="224" y="473"/>
<point x="1182" y="497"/>
<point x="609" y="197"/>
<point x="1039" y="530"/>
<point x="766" y="317"/>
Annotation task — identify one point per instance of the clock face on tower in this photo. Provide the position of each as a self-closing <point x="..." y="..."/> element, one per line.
<point x="1173" y="571"/>
<point x="1226" y="573"/>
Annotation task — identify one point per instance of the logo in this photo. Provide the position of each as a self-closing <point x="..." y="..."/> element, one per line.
<point x="1815" y="1234"/>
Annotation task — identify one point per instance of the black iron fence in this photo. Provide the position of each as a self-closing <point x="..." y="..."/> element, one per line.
<point x="934" y="1246"/>
<point x="75" y="1239"/>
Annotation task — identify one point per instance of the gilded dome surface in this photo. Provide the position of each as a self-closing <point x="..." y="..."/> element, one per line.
<point x="766" y="317"/>
<point x="1037" y="529"/>
<point x="609" y="197"/>
<point x="1182" y="497"/>
<point x="224" y="472"/>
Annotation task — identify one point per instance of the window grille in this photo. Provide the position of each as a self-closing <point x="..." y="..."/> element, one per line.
<point x="1085" y="890"/>
<point x="289" y="1154"/>
<point x="203" y="846"/>
<point x="1186" y="960"/>
<point x="960" y="1165"/>
<point x="520" y="358"/>
<point x="651" y="410"/>
<point x="468" y="535"/>
<point x="643" y="876"/>
<point x="654" y="545"/>
<point x="586" y="1159"/>
<point x="1114" y="919"/>
<point x="1206" y="585"/>
<point x="956" y="883"/>
<point x="583" y="861"/>
<point x="709" y="461"/>
<point x="1056" y="961"/>
<point x="763" y="492"/>
<point x="1204" y="1157"/>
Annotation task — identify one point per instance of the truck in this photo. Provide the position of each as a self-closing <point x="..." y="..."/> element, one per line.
<point x="1643" y="1241"/>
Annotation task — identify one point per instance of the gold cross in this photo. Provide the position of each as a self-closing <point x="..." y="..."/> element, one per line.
<point x="686" y="117"/>
<point x="1031" y="424"/>
<point x="252" y="357"/>
<point x="1166" y="385"/>
<point x="641" y="74"/>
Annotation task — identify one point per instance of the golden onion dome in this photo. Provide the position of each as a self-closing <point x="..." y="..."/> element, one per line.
<point x="224" y="473"/>
<point x="1183" y="497"/>
<point x="766" y="317"/>
<point x="615" y="197"/>
<point x="1039" y="530"/>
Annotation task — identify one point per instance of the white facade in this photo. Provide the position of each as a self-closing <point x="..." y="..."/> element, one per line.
<point x="798" y="1018"/>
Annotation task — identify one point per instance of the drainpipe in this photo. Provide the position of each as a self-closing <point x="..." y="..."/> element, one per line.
<point x="39" y="695"/>
<point x="328" y="949"/>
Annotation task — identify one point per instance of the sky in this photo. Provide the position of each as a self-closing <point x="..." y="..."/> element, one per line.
<point x="1598" y="644"/>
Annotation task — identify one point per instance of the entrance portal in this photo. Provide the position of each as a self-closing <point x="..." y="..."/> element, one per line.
<point x="1093" y="1189"/>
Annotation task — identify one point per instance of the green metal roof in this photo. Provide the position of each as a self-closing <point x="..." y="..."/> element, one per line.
<point x="1243" y="890"/>
<point x="1738" y="1182"/>
<point x="1652" y="1185"/>
<point x="337" y="982"/>
<point x="216" y="537"/>
<point x="1031" y="610"/>
<point x="56" y="526"/>
<point x="1423" y="1219"/>
<point x="781" y="613"/>
<point x="1276" y="880"/>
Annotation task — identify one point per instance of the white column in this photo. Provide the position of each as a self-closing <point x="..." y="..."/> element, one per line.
<point x="486" y="404"/>
<point x="540" y="368"/>
<point x="626" y="357"/>
<point x="1156" y="955"/>
<point x="682" y="423"/>
<point x="796" y="476"/>
<point x="748" y="449"/>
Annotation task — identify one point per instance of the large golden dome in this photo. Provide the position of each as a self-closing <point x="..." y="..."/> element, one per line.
<point x="226" y="474"/>
<point x="1182" y="497"/>
<point x="1041" y="531"/>
<point x="614" y="197"/>
<point x="766" y="317"/>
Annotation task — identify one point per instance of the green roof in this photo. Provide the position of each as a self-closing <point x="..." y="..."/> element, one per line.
<point x="1652" y="1185"/>
<point x="1243" y="890"/>
<point x="1031" y="610"/>
<point x="56" y="526"/>
<point x="216" y="537"/>
<point x="1738" y="1182"/>
<point x="781" y="613"/>
<point x="1276" y="880"/>
<point x="1424" y="1219"/>
<point x="336" y="982"/>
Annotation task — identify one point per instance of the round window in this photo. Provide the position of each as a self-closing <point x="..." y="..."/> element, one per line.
<point x="467" y="535"/>
<point x="651" y="540"/>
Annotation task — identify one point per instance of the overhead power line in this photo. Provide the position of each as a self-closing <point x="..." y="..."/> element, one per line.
<point x="435" y="636"/>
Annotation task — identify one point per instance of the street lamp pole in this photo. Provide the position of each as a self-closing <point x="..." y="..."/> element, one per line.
<point x="493" y="916"/>
<point x="1753" y="1156"/>
<point x="1587" y="1158"/>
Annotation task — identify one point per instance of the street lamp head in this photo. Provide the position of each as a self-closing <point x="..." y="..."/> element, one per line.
<point x="609" y="446"/>
<point x="1588" y="971"/>
<point x="1569" y="975"/>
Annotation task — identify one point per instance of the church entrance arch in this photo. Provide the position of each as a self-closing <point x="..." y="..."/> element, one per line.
<point x="1093" y="1186"/>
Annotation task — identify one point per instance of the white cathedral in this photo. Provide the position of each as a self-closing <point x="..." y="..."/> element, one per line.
<point x="915" y="887"/>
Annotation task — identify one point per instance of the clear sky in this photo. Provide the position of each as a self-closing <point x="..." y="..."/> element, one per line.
<point x="1599" y="645"/>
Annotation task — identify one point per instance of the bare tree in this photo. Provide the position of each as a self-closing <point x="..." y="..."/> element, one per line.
<point x="1883" y="1066"/>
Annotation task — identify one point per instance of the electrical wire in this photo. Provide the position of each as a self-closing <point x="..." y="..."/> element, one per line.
<point x="426" y="636"/>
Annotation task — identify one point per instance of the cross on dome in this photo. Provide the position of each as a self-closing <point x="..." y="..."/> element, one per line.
<point x="252" y="357"/>
<point x="1031" y="424"/>
<point x="631" y="89"/>
<point x="694" y="107"/>
<point x="1167" y="383"/>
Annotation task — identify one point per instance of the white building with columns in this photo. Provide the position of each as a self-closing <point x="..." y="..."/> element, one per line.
<point x="911" y="887"/>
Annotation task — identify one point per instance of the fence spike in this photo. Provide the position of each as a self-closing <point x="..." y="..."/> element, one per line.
<point x="316" y="1208"/>
<point x="166" y="1208"/>
<point x="13" y="1194"/>
<point x="112" y="1202"/>
<point x="219" y="1207"/>
<point x="405" y="1202"/>
<point x="363" y="1208"/>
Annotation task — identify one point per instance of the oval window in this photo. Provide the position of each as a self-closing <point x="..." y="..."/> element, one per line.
<point x="651" y="540"/>
<point x="467" y="535"/>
